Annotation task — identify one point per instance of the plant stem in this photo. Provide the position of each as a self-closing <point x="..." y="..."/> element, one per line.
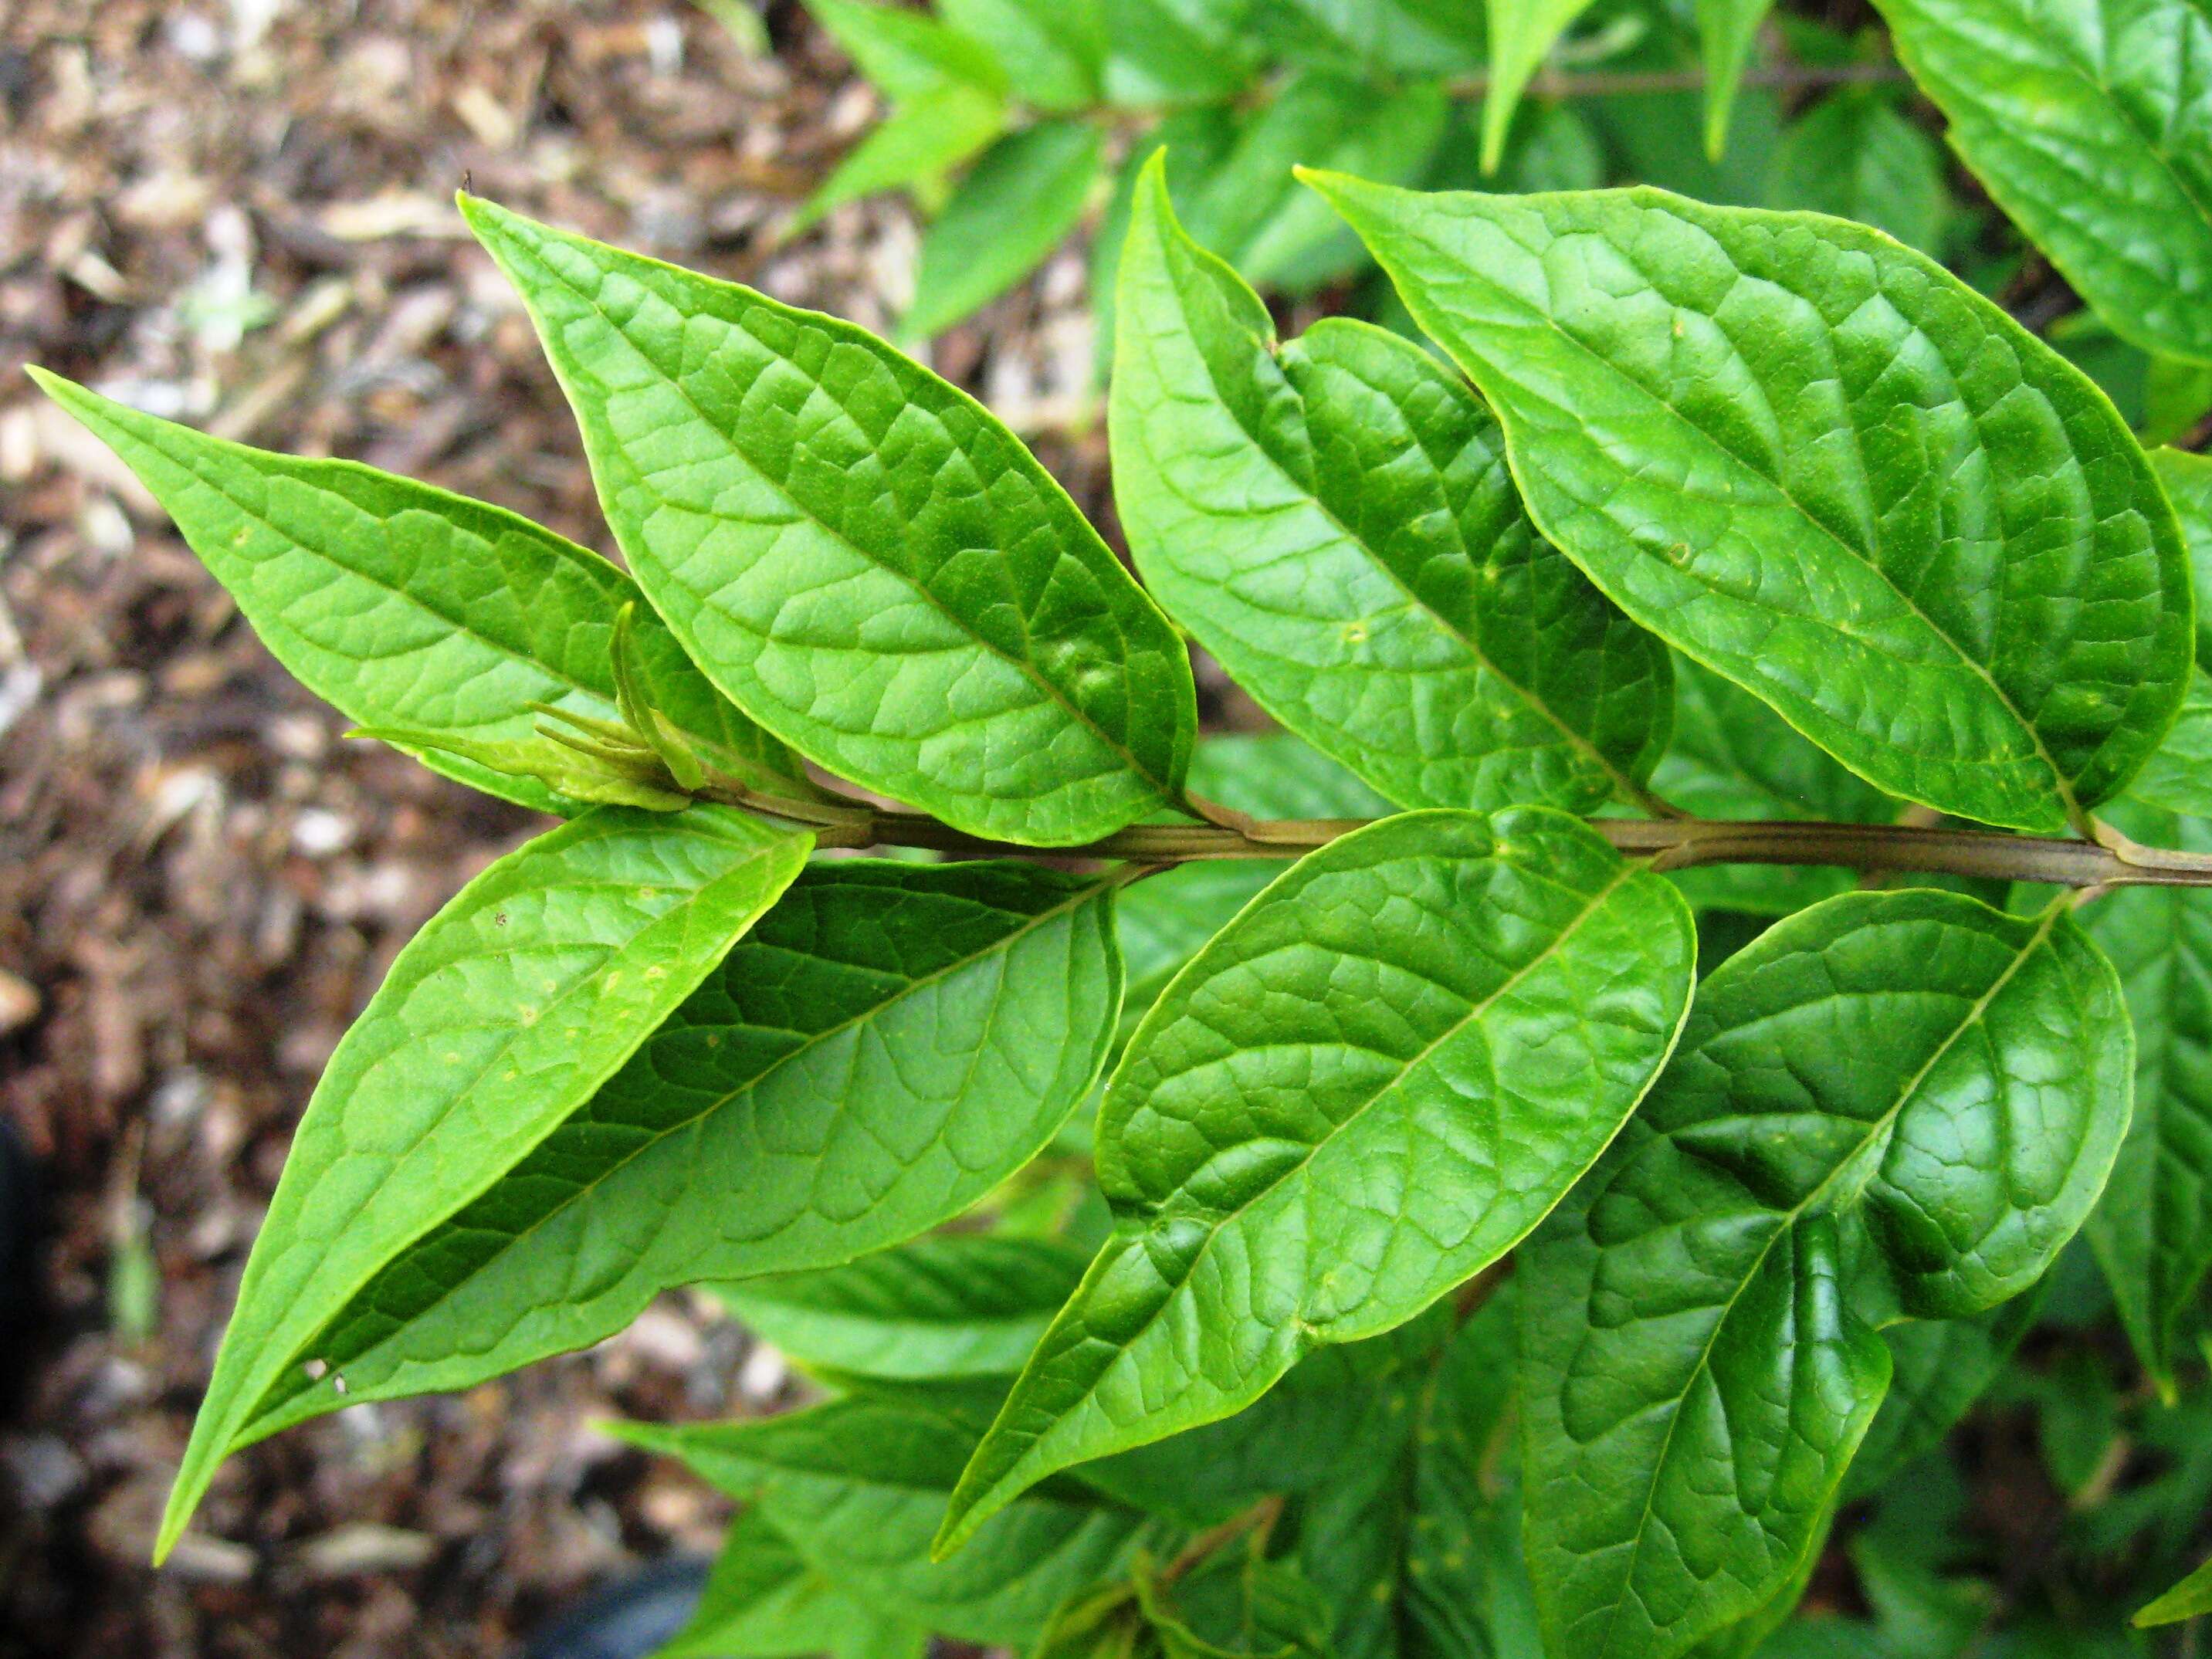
<point x="2112" y="861"/>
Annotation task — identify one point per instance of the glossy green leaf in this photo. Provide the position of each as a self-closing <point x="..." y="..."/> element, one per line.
<point x="1726" y="31"/>
<point x="1333" y="521"/>
<point x="1248" y="206"/>
<point x="865" y="561"/>
<point x="1364" y="1090"/>
<point x="507" y="1011"/>
<point x="1053" y="51"/>
<point x="1852" y="155"/>
<point x="1734" y="757"/>
<point x="1020" y="201"/>
<point x="1165" y="918"/>
<point x="1909" y="1080"/>
<point x="904" y="52"/>
<point x="407" y="606"/>
<point x="887" y="1044"/>
<point x="857" y="1486"/>
<point x="1522" y="35"/>
<point x="1821" y="466"/>
<point x="961" y="1305"/>
<point x="2152" y="1235"/>
<point x="762" y="1601"/>
<point x="1938" y="1369"/>
<point x="925" y="137"/>
<point x="2090" y="121"/>
<point x="2190" y="1599"/>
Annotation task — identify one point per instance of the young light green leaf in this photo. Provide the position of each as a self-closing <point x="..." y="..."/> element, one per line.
<point x="1726" y="31"/>
<point x="1165" y="918"/>
<point x="1907" y="1079"/>
<point x="1938" y="1368"/>
<point x="507" y="1012"/>
<point x="2190" y="1599"/>
<point x="961" y="1305"/>
<point x="2152" y="1235"/>
<point x="1054" y="51"/>
<point x="925" y="137"/>
<point x="907" y="52"/>
<point x="1022" y="198"/>
<point x="1734" y="757"/>
<point x="762" y="1601"/>
<point x="891" y="1042"/>
<point x="1364" y="1090"/>
<point x="857" y="1486"/>
<point x="1854" y="156"/>
<point x="1333" y="521"/>
<point x="1522" y="35"/>
<point x="868" y="563"/>
<point x="1248" y="207"/>
<point x="405" y="605"/>
<point x="1821" y="466"/>
<point x="2088" y="121"/>
<point x="570" y="775"/>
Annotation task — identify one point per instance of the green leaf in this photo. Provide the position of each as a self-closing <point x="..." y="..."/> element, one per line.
<point x="2152" y="1234"/>
<point x="1908" y="1080"/>
<point x="907" y="53"/>
<point x="2177" y="397"/>
<point x="1480" y="999"/>
<point x="856" y="552"/>
<point x="1165" y="918"/>
<point x="509" y="1009"/>
<point x="1248" y="207"/>
<point x="2187" y="482"/>
<point x="2178" y="777"/>
<point x="1179" y="52"/>
<point x="407" y="606"/>
<point x="1023" y="196"/>
<point x="1379" y="36"/>
<point x="857" y="1485"/>
<point x="1734" y="757"/>
<point x="1853" y="156"/>
<point x="1522" y="35"/>
<point x="925" y="137"/>
<point x="962" y="1304"/>
<point x="2190" y="1599"/>
<point x="1821" y="466"/>
<point x="762" y="1601"/>
<point x="2088" y="121"/>
<point x="1726" y="31"/>
<point x="1333" y="521"/>
<point x="1194" y="142"/>
<point x="1054" y="51"/>
<point x="887" y="1044"/>
<point x="1938" y="1368"/>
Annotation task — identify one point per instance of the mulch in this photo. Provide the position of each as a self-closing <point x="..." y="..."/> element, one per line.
<point x="238" y="213"/>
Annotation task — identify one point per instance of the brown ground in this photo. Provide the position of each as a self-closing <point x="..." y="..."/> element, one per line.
<point x="238" y="212"/>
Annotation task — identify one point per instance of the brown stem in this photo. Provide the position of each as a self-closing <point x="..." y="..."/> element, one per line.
<point x="2113" y="860"/>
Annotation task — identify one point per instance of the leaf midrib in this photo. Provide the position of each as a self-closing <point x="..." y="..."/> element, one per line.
<point x="1006" y="942"/>
<point x="2065" y="787"/>
<point x="1626" y="788"/>
<point x="1026" y="667"/>
<point x="1879" y="1127"/>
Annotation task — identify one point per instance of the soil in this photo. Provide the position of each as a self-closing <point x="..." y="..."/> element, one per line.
<point x="239" y="213"/>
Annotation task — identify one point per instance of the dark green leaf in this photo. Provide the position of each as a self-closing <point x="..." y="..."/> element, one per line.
<point x="857" y="1486"/>
<point x="857" y="553"/>
<point x="891" y="1042"/>
<point x="1819" y="464"/>
<point x="1479" y="1000"/>
<point x="1938" y="1368"/>
<point x="962" y="1305"/>
<point x="406" y="606"/>
<point x="1909" y="1078"/>
<point x="1023" y="196"/>
<point x="506" y="1013"/>
<point x="1333" y="522"/>
<point x="764" y="1602"/>
<point x="2091" y="123"/>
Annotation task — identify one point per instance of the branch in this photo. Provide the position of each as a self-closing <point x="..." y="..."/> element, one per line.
<point x="2112" y="861"/>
